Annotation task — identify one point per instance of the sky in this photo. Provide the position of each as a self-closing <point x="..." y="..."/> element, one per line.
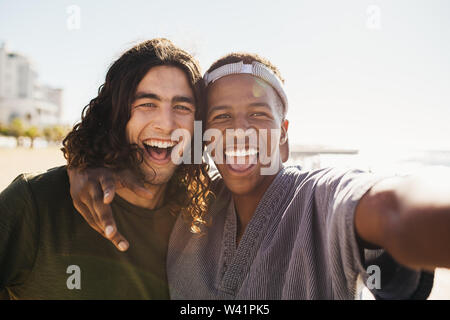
<point x="358" y="73"/>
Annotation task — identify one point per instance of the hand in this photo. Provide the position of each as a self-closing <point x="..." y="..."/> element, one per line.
<point x="93" y="190"/>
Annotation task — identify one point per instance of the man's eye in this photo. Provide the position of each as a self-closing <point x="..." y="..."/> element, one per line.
<point x="147" y="105"/>
<point x="222" y="116"/>
<point x="258" y="114"/>
<point x="181" y="107"/>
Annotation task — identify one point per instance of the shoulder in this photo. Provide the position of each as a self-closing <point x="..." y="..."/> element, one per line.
<point x="30" y="189"/>
<point x="16" y="195"/>
<point x="26" y="184"/>
<point x="295" y="177"/>
<point x="24" y="205"/>
<point x="52" y="176"/>
<point x="329" y="175"/>
<point x="49" y="185"/>
<point x="297" y="174"/>
<point x="18" y="211"/>
<point x="327" y="183"/>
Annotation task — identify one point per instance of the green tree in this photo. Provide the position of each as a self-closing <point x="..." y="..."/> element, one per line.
<point x="32" y="132"/>
<point x="3" y="129"/>
<point x="59" y="132"/>
<point x="55" y="133"/>
<point x="16" y="129"/>
<point x="48" y="134"/>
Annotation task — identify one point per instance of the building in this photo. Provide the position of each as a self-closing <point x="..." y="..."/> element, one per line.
<point x="22" y="96"/>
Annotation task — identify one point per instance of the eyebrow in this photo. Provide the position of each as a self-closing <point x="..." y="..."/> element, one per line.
<point x="182" y="99"/>
<point x="254" y="104"/>
<point x="217" y="108"/>
<point x="259" y="104"/>
<point x="149" y="95"/>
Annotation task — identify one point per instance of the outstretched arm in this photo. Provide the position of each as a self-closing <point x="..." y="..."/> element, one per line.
<point x="93" y="190"/>
<point x="410" y="218"/>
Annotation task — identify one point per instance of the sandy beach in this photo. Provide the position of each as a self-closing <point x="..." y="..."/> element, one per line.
<point x="21" y="160"/>
<point x="14" y="161"/>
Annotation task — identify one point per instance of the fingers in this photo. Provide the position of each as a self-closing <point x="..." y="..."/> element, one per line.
<point x="104" y="217"/>
<point x="116" y="238"/>
<point x="92" y="191"/>
<point x="107" y="223"/>
<point x="86" y="214"/>
<point x="108" y="187"/>
<point x="110" y="232"/>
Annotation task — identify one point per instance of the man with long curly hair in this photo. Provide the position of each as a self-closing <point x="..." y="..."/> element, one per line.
<point x="47" y="251"/>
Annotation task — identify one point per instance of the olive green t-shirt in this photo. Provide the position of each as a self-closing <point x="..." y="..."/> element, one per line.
<point x="48" y="251"/>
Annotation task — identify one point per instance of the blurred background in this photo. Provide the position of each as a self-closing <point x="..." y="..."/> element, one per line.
<point x="368" y="81"/>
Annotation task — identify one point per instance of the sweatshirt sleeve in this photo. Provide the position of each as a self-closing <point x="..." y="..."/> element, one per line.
<point x="337" y="194"/>
<point x="19" y="234"/>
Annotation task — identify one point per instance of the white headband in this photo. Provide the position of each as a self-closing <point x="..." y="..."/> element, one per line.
<point x="256" y="69"/>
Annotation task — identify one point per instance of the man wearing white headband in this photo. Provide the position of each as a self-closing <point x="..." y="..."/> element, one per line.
<point x="297" y="234"/>
<point x="290" y="235"/>
<point x="261" y="71"/>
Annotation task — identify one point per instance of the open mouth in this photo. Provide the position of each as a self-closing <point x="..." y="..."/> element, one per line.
<point x="159" y="150"/>
<point x="241" y="159"/>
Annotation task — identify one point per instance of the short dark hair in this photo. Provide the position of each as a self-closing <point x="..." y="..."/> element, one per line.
<point x="99" y="140"/>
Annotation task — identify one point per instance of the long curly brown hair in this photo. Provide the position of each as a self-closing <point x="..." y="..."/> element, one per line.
<point x="99" y="140"/>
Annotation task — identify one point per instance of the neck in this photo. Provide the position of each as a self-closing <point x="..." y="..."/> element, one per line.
<point x="154" y="203"/>
<point x="246" y="204"/>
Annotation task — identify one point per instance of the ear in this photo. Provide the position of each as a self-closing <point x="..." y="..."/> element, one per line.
<point x="284" y="141"/>
<point x="284" y="130"/>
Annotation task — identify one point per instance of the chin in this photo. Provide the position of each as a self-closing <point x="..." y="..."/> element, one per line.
<point x="240" y="186"/>
<point x="238" y="183"/>
<point x="241" y="190"/>
<point x="158" y="176"/>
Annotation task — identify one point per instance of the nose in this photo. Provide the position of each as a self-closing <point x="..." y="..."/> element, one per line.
<point x="241" y="131"/>
<point x="241" y="122"/>
<point x="164" y="121"/>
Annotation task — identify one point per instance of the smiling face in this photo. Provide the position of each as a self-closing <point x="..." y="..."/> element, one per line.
<point x="164" y="102"/>
<point x="245" y="102"/>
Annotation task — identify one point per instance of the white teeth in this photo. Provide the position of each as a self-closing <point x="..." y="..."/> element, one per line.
<point x="241" y="152"/>
<point x="160" y="144"/>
